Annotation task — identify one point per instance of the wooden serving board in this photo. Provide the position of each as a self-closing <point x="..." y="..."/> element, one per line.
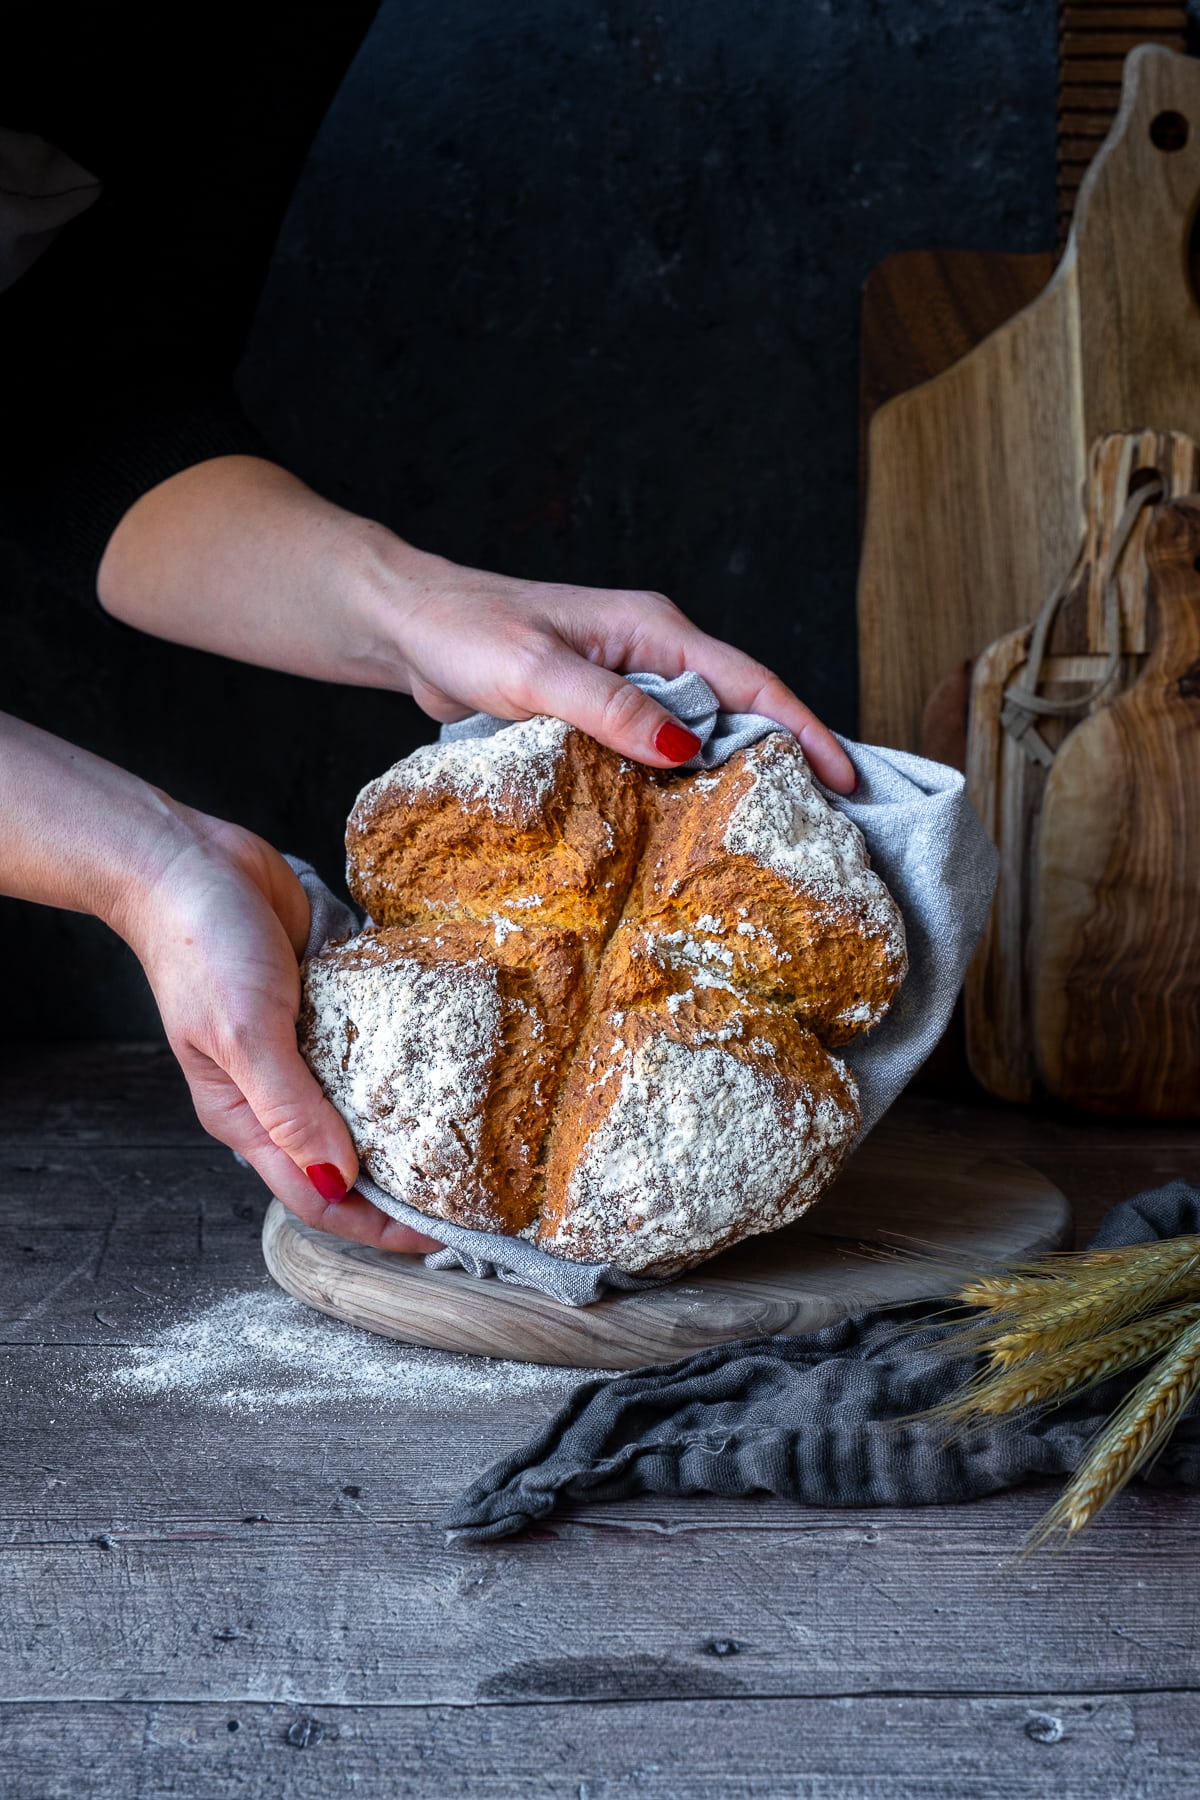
<point x="1009" y="787"/>
<point x="1116" y="918"/>
<point x="974" y="510"/>
<point x="905" y="1188"/>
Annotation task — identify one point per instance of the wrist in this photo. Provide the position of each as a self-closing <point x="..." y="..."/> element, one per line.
<point x="76" y="831"/>
<point x="390" y="584"/>
<point x="151" y="833"/>
<point x="237" y="556"/>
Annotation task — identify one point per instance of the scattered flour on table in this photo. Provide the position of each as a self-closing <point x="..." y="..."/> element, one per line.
<point x="262" y="1351"/>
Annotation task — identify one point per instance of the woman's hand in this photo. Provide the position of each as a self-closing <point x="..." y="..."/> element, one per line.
<point x="468" y="641"/>
<point x="218" y="921"/>
<point x="236" y="555"/>
<point x="218" y="932"/>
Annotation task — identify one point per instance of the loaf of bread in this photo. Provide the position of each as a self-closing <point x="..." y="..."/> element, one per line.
<point x="597" y="1006"/>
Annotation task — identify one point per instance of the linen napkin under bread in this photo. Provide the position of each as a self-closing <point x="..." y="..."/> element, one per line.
<point x="814" y="1419"/>
<point x="926" y="842"/>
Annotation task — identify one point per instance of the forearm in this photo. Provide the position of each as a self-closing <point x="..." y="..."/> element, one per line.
<point x="76" y="831"/>
<point x="237" y="556"/>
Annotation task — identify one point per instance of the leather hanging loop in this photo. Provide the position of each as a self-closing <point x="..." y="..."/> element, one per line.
<point x="1022" y="702"/>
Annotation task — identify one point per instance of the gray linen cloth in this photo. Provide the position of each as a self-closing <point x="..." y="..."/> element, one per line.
<point x="815" y="1419"/>
<point x="925" y="840"/>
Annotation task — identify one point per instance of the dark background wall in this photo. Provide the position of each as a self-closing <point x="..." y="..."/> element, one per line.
<point x="569" y="290"/>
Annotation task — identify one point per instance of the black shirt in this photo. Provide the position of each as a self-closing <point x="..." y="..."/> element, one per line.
<point x="119" y="345"/>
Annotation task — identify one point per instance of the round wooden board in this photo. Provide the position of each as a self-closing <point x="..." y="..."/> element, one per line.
<point x="905" y="1188"/>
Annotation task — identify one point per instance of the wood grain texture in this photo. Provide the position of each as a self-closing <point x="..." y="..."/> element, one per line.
<point x="170" y="1564"/>
<point x="347" y="1604"/>
<point x="924" y="309"/>
<point x="1008" y="787"/>
<point x="974" y="510"/>
<point x="1094" y="38"/>
<point x="898" y="1188"/>
<point x="1116" y="944"/>
<point x="1048" y="1746"/>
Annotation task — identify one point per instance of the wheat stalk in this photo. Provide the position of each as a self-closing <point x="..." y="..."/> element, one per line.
<point x="1132" y="1436"/>
<point x="1036" y="1383"/>
<point x="1002" y="1290"/>
<point x="1021" y="1283"/>
<point x="1112" y="1299"/>
<point x="1068" y="1309"/>
<point x="1164" y="1250"/>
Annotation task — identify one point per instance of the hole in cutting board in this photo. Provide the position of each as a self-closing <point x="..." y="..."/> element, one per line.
<point x="1168" y="131"/>
<point x="1142" y="477"/>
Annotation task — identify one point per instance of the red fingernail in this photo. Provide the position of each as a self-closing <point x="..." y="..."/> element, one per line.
<point x="327" y="1181"/>
<point x="676" y="741"/>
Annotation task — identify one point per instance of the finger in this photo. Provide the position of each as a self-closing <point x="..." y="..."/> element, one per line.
<point x="606" y="706"/>
<point x="671" y="642"/>
<point x="354" y="1217"/>
<point x="264" y="1064"/>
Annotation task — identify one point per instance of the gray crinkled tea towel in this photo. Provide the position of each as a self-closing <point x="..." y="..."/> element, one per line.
<point x="687" y="696"/>
<point x="813" y="1419"/>
<point x="926" y="841"/>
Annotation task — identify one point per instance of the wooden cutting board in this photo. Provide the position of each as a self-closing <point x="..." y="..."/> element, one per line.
<point x="1009" y="788"/>
<point x="974" y="510"/>
<point x="904" y="1187"/>
<point x="1116" y="922"/>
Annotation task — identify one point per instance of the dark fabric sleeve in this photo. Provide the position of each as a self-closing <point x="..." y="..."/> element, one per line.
<point x="118" y="348"/>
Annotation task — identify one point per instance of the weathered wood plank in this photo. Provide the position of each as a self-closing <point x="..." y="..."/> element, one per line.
<point x="1031" y="1748"/>
<point x="346" y="1590"/>
<point x="303" y="1554"/>
<point x="95" y="1093"/>
<point x="96" y="1239"/>
<point x="94" y="1243"/>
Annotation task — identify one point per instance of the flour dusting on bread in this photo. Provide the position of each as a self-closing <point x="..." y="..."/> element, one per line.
<point x="514" y="768"/>
<point x="404" y="1051"/>
<point x="599" y="1005"/>
<point x="783" y="823"/>
<point x="694" y="1144"/>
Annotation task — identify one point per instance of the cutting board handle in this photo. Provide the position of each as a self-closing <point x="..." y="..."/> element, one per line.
<point x="1132" y="239"/>
<point x="1173" y="553"/>
<point x="974" y="508"/>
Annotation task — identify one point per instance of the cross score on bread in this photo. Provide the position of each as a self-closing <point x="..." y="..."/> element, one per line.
<point x="597" y="1005"/>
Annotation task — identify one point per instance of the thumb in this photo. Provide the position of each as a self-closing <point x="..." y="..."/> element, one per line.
<point x="610" y="709"/>
<point x="287" y="1100"/>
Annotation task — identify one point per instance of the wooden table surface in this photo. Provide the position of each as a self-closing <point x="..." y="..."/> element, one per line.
<point x="209" y="1602"/>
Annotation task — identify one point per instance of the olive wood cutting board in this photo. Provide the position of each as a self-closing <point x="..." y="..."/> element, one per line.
<point x="974" y="510"/>
<point x="1116" y="920"/>
<point x="1029" y="937"/>
<point x="904" y="1189"/>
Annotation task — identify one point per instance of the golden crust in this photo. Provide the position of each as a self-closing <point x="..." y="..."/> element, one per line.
<point x="456" y="1127"/>
<point x="629" y="984"/>
<point x="683" y="1128"/>
<point x="803" y="931"/>
<point x="560" y="850"/>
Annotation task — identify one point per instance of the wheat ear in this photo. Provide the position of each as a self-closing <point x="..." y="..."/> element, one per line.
<point x="1074" y="1311"/>
<point x="1003" y="1290"/>
<point x="1037" y="1382"/>
<point x="1165" y="1250"/>
<point x="1118" y="1296"/>
<point x="1134" y="1433"/>
<point x="1019" y="1285"/>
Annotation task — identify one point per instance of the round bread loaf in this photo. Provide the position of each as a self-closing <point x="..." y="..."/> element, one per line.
<point x="597" y="1006"/>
